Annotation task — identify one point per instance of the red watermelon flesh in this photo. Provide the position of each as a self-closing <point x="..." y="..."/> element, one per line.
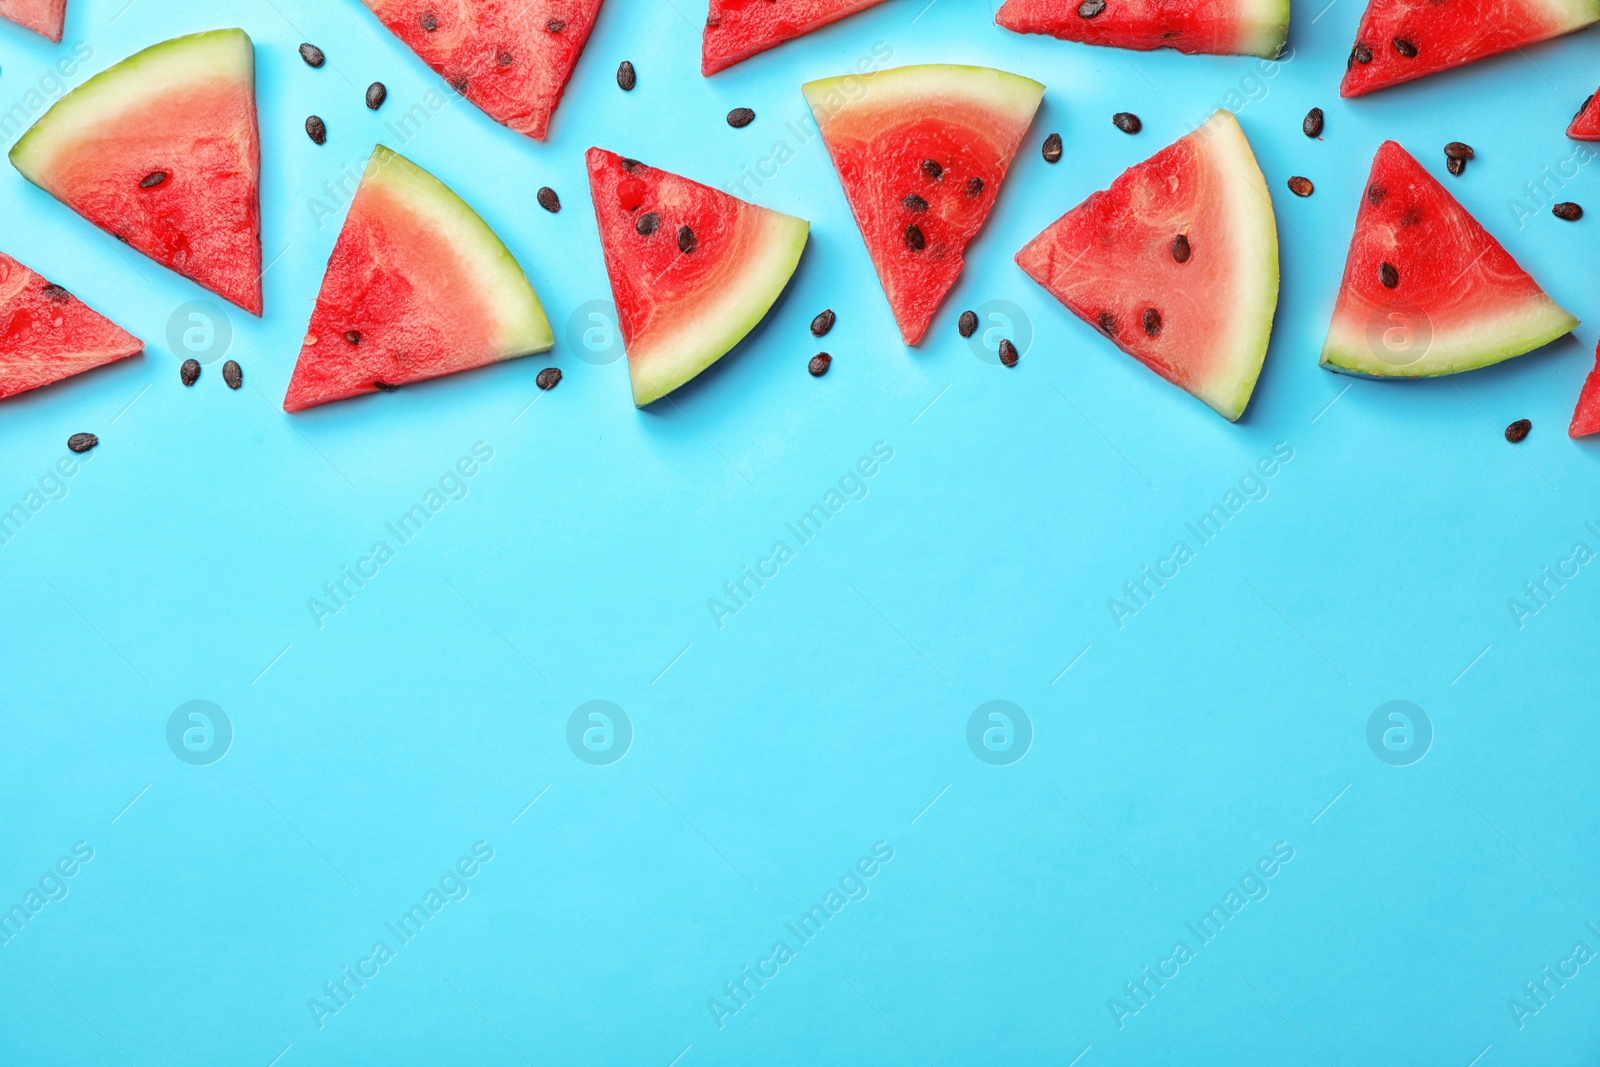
<point x="1176" y="262"/>
<point x="47" y="334"/>
<point x="739" y="29"/>
<point x="40" y="16"/>
<point x="1219" y="27"/>
<point x="418" y="286"/>
<point x="921" y="152"/>
<point x="162" y="151"/>
<point x="1586" y="417"/>
<point x="1586" y="123"/>
<point x="1400" y="40"/>
<point x="512" y="58"/>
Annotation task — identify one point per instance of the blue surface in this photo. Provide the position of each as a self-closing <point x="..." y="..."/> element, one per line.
<point x="831" y="712"/>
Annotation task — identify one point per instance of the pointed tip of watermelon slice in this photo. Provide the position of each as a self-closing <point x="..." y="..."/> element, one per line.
<point x="1586" y="416"/>
<point x="50" y="334"/>
<point x="1585" y="125"/>
<point x="44" y="17"/>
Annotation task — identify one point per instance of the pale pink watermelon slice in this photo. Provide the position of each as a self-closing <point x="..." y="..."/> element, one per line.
<point x="692" y="269"/>
<point x="1586" y="417"/>
<point x="512" y="58"/>
<point x="40" y="16"/>
<point x="162" y="151"/>
<point x="1427" y="290"/>
<point x="47" y="334"/>
<point x="1176" y="262"/>
<point x="1219" y="27"/>
<point x="1585" y="125"/>
<point x="1400" y="40"/>
<point x="739" y="29"/>
<point x="418" y="286"/>
<point x="921" y="152"/>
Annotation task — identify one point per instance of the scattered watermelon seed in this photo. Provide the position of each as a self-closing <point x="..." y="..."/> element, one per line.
<point x="974" y="186"/>
<point x="740" y="117"/>
<point x="377" y="93"/>
<point x="686" y="240"/>
<point x="967" y="325"/>
<point x="353" y="336"/>
<point x="1152" y="322"/>
<point x="1090" y="8"/>
<point x="548" y="378"/>
<point x="1301" y="186"/>
<point x="1455" y="165"/>
<point x="189" y="373"/>
<point x="153" y="179"/>
<point x="1052" y="148"/>
<point x="1518" y="431"/>
<point x="647" y="223"/>
<point x="556" y="25"/>
<point x="1180" y="248"/>
<point x="1388" y="275"/>
<point x="1127" y="122"/>
<point x="1008" y="352"/>
<point x="384" y="387"/>
<point x="232" y="374"/>
<point x="317" y="130"/>
<point x="823" y="323"/>
<point x="549" y="200"/>
<point x="1313" y="123"/>
<point x="931" y="168"/>
<point x="1405" y="48"/>
<point x="1567" y="210"/>
<point x="1457" y="150"/>
<point x="914" y="202"/>
<point x="312" y="55"/>
<point x="56" y="293"/>
<point x="1107" y="323"/>
<point x="627" y="77"/>
<point x="819" y="364"/>
<point x="914" y="238"/>
<point x="82" y="442"/>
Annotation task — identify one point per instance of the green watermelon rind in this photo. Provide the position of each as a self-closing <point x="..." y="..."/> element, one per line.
<point x="523" y="329"/>
<point x="980" y="87"/>
<point x="1270" y="22"/>
<point x="1467" y="346"/>
<point x="225" y="54"/>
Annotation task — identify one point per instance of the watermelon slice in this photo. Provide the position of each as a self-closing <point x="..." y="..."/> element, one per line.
<point x="162" y="152"/>
<point x="512" y="58"/>
<point x="1586" y="417"/>
<point x="1585" y="124"/>
<point x="1228" y="27"/>
<point x="1427" y="291"/>
<point x="921" y="152"/>
<point x="692" y="269"/>
<point x="1177" y="263"/>
<point x="1400" y="40"/>
<point x="47" y="334"/>
<point x="739" y="29"/>
<point x="418" y="286"/>
<point x="40" y="16"/>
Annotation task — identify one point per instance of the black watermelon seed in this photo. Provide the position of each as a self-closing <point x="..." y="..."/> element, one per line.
<point x="1361" y="53"/>
<point x="1313" y="123"/>
<point x="549" y="200"/>
<point x="82" y="442"/>
<point x="1584" y="106"/>
<point x="1388" y="275"/>
<point x="459" y="83"/>
<point x="686" y="240"/>
<point x="1090" y="8"/>
<point x="1180" y="248"/>
<point x="353" y="336"/>
<point x="153" y="179"/>
<point x="823" y="323"/>
<point x="1376" y="193"/>
<point x="1301" y="186"/>
<point x="548" y="378"/>
<point x="914" y="202"/>
<point x="1008" y="353"/>
<point x="232" y="374"/>
<point x="503" y="58"/>
<point x="377" y="93"/>
<point x="1405" y="48"/>
<point x="647" y="223"/>
<point x="1455" y="165"/>
<point x="1127" y="122"/>
<point x="1052" y="148"/>
<point x="428" y="22"/>
<point x="967" y="325"/>
<point x="556" y="25"/>
<point x="1107" y="323"/>
<point x="1518" y="430"/>
<point x="627" y="77"/>
<point x="384" y="387"/>
<point x="312" y="55"/>
<point x="932" y="169"/>
<point x="819" y="364"/>
<point x="740" y="117"/>
<point x="974" y="186"/>
<point x="56" y="293"/>
<point x="630" y="165"/>
<point x="914" y="238"/>
<point x="317" y="130"/>
<point x="1567" y="210"/>
<point x="1151" y="321"/>
<point x="189" y="373"/>
<point x="1457" y="150"/>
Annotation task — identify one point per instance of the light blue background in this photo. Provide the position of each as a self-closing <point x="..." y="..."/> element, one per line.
<point x="369" y="754"/>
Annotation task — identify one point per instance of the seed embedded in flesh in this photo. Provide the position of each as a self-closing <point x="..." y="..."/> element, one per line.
<point x="232" y="374"/>
<point x="189" y="373"/>
<point x="1388" y="275"/>
<point x="1180" y="248"/>
<point x="1518" y="430"/>
<point x="428" y="22"/>
<point x="647" y="223"/>
<point x="1376" y="193"/>
<point x="317" y="130"/>
<point x="1151" y="321"/>
<point x="153" y="179"/>
<point x="1090" y="8"/>
<point x="932" y="169"/>
<point x="556" y="25"/>
<point x="384" y="387"/>
<point x="548" y="199"/>
<point x="1008" y="353"/>
<point x="1312" y="126"/>
<point x="630" y="165"/>
<point x="1405" y="48"/>
<point x="377" y="93"/>
<point x="55" y="292"/>
<point x="1052" y="148"/>
<point x="82" y="442"/>
<point x="1107" y="323"/>
<point x="353" y="336"/>
<point x="915" y="239"/>
<point x="740" y="117"/>
<point x="503" y="58"/>
<point x="914" y="202"/>
<point x="1583" y="106"/>
<point x="312" y="55"/>
<point x="1567" y="210"/>
<point x="1127" y="122"/>
<point x="1455" y="165"/>
<point x="548" y="378"/>
<point x="687" y="242"/>
<point x="823" y="323"/>
<point x="1361" y="53"/>
<point x="627" y="77"/>
<point x="819" y="364"/>
<point x="967" y="325"/>
<point x="1301" y="186"/>
<point x="974" y="186"/>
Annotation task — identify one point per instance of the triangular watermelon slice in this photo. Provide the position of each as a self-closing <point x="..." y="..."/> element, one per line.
<point x="1586" y="417"/>
<point x="1426" y="290"/>
<point x="739" y="29"/>
<point x="1585" y="125"/>
<point x="1176" y="262"/>
<point x="1400" y="40"/>
<point x="418" y="286"/>
<point x="1216" y="27"/>
<point x="47" y="334"/>
<point x="921" y="152"/>
<point x="162" y="151"/>
<point x="692" y="269"/>
<point x="40" y="16"/>
<point x="512" y="58"/>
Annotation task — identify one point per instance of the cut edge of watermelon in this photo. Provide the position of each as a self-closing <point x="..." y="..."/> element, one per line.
<point x="1586" y="415"/>
<point x="985" y="88"/>
<point x="1264" y="29"/>
<point x="1585" y="125"/>
<point x="715" y="56"/>
<point x="48" y="24"/>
